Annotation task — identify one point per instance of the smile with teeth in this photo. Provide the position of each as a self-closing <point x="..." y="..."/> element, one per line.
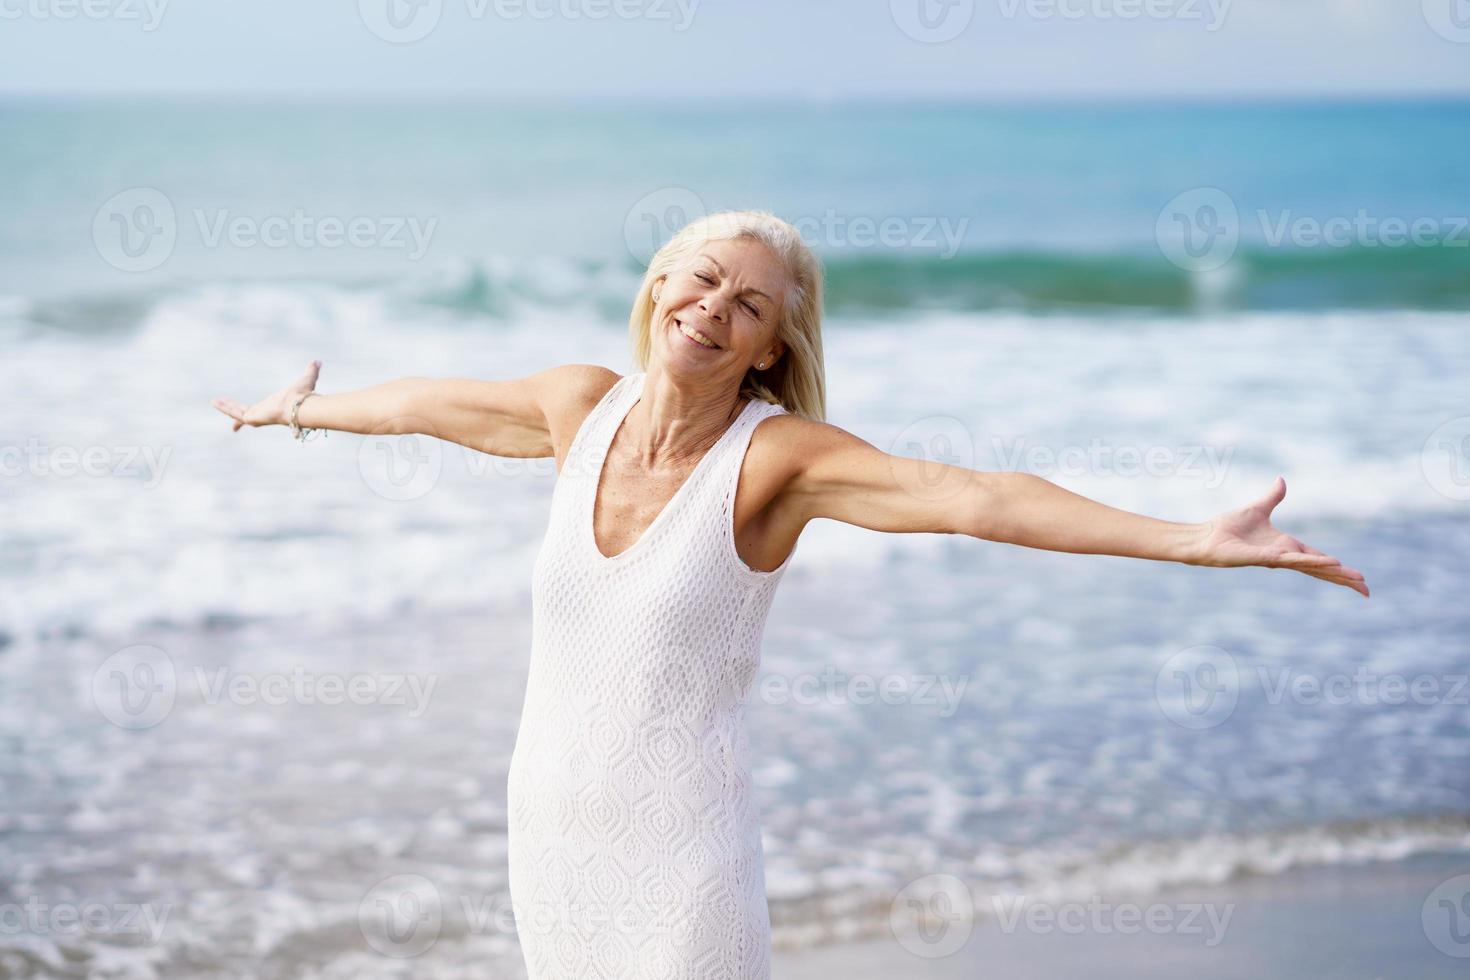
<point x="695" y="335"/>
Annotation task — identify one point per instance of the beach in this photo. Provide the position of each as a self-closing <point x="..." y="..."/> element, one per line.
<point x="253" y="689"/>
<point x="1322" y="923"/>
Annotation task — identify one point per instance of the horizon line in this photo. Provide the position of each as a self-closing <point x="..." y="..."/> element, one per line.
<point x="938" y="100"/>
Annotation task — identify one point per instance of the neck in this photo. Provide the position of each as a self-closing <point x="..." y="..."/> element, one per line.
<point x="674" y="422"/>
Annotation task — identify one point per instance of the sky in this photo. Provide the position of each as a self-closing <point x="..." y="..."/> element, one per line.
<point x="701" y="50"/>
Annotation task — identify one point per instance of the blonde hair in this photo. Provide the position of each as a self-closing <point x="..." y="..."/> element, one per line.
<point x="798" y="380"/>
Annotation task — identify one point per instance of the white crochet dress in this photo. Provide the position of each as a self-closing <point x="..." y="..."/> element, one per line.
<point x="634" y="841"/>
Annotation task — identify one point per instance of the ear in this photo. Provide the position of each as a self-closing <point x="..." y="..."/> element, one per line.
<point x="774" y="352"/>
<point x="658" y="286"/>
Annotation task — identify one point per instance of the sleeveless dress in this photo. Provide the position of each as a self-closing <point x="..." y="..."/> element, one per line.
<point x="634" y="844"/>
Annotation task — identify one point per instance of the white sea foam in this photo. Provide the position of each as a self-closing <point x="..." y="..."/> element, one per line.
<point x="250" y="523"/>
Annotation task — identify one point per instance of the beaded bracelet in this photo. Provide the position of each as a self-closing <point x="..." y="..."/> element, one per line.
<point x="297" y="431"/>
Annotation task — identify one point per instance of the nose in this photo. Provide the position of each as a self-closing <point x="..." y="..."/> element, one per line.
<point x="714" y="305"/>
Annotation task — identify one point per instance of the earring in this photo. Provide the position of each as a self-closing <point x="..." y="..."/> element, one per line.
<point x="760" y="366"/>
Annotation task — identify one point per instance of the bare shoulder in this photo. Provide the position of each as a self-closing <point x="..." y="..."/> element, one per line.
<point x="798" y="470"/>
<point x="567" y="393"/>
<point x="786" y="450"/>
<point x="802" y="441"/>
<point x="829" y="472"/>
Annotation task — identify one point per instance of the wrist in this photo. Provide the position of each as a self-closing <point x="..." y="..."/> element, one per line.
<point x="1191" y="544"/>
<point x="293" y="416"/>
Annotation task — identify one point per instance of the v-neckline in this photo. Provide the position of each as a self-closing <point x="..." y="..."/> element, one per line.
<point x="669" y="505"/>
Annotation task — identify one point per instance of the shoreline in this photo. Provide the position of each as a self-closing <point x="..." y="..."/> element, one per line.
<point x="1372" y="921"/>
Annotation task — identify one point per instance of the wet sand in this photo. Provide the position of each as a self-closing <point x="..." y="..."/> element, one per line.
<point x="1374" y="921"/>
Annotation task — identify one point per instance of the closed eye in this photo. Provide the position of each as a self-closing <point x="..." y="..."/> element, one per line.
<point x="750" y="308"/>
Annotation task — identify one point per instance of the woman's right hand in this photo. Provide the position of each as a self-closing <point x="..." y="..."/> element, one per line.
<point x="273" y="409"/>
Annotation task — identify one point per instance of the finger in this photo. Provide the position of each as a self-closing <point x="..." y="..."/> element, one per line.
<point x="1349" y="572"/>
<point x="1273" y="496"/>
<point x="313" y="371"/>
<point x="1298" y="559"/>
<point x="1335" y="567"/>
<point x="1326" y="577"/>
<point x="234" y="410"/>
<point x="231" y="408"/>
<point x="1340" y="574"/>
<point x="1356" y="583"/>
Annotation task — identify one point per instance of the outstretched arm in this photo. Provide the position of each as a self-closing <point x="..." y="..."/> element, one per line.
<point x="844" y="478"/>
<point x="505" y="418"/>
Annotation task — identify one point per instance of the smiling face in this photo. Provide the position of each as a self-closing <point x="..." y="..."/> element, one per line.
<point x="716" y="315"/>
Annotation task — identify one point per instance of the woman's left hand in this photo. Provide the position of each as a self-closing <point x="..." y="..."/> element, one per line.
<point x="1244" y="536"/>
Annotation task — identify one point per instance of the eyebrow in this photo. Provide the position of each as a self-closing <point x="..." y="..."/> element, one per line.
<point x="713" y="261"/>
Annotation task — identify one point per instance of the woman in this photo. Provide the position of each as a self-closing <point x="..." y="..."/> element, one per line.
<point x="635" y="849"/>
